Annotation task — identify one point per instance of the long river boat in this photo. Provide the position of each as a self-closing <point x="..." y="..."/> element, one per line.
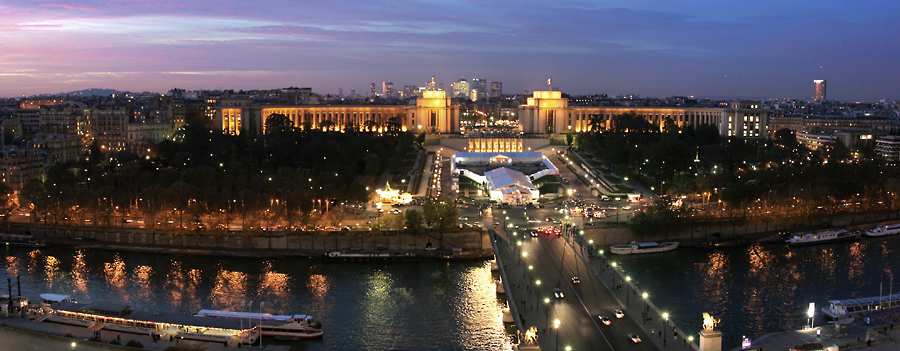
<point x="884" y="230"/>
<point x="120" y="317"/>
<point x="635" y="247"/>
<point x="283" y="327"/>
<point x="21" y="240"/>
<point x="822" y="237"/>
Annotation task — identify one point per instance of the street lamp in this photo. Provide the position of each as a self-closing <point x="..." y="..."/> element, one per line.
<point x="646" y="307"/>
<point x="627" y="279"/>
<point x="556" y="326"/>
<point x="690" y="340"/>
<point x="665" y="327"/>
<point x="546" y="312"/>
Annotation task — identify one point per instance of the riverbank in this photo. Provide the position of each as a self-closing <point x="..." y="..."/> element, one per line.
<point x="269" y="244"/>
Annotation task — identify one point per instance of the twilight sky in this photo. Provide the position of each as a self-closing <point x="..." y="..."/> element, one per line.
<point x="724" y="48"/>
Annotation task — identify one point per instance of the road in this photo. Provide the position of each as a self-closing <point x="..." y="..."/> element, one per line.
<point x="553" y="262"/>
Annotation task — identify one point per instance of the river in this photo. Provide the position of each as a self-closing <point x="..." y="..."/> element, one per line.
<point x="425" y="305"/>
<point x="755" y="290"/>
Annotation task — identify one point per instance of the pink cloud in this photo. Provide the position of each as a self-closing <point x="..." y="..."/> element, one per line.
<point x="70" y="7"/>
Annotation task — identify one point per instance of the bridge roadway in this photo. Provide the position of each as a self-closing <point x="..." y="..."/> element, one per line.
<point x="553" y="261"/>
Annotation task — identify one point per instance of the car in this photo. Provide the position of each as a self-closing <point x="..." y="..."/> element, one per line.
<point x="619" y="314"/>
<point x="605" y="320"/>
<point x="575" y="280"/>
<point x="534" y="233"/>
<point x="558" y="293"/>
<point x="634" y="338"/>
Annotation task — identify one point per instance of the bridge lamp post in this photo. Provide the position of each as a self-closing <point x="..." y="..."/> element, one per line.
<point x="627" y="279"/>
<point x="665" y="327"/>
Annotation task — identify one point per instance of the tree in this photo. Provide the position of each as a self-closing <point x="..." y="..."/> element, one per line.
<point x="595" y="124"/>
<point x="370" y="125"/>
<point x="413" y="222"/>
<point x="327" y="124"/>
<point x="7" y="203"/>
<point x="569" y="138"/>
<point x="278" y="123"/>
<point x="786" y="137"/>
<point x="441" y="214"/>
<point x="420" y="139"/>
<point x="33" y="196"/>
<point x="393" y="124"/>
<point x="662" y="214"/>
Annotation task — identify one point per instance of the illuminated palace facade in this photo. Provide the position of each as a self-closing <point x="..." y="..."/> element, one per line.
<point x="433" y="113"/>
<point x="548" y="113"/>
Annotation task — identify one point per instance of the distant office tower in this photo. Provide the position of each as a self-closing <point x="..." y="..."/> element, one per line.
<point x="496" y="89"/>
<point x="410" y="91"/>
<point x="353" y="92"/>
<point x="372" y="90"/>
<point x="430" y="85"/>
<point x="479" y="86"/>
<point x="340" y="92"/>
<point x="387" y="88"/>
<point x="461" y="88"/>
<point x="820" y="90"/>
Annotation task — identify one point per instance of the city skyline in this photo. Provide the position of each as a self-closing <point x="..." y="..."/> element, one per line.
<point x="763" y="49"/>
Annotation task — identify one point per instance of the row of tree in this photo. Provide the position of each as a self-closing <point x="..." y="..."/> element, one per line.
<point x="204" y="178"/>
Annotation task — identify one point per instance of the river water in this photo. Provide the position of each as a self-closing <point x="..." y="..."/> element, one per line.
<point x="439" y="305"/>
<point x="755" y="290"/>
<point x="426" y="305"/>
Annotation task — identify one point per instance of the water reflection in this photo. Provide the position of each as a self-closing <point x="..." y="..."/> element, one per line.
<point x="115" y="272"/>
<point x="422" y="305"/>
<point x="51" y="270"/>
<point x="79" y="273"/>
<point x="759" y="289"/>
<point x="274" y="288"/>
<point x="229" y="290"/>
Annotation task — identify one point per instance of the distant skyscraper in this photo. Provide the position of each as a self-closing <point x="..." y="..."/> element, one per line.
<point x="353" y="92"/>
<point x="820" y="90"/>
<point x="372" y="90"/>
<point x="496" y="89"/>
<point x="430" y="85"/>
<point x="461" y="88"/>
<point x="480" y="86"/>
<point x="410" y="91"/>
<point x="387" y="88"/>
<point x="340" y="92"/>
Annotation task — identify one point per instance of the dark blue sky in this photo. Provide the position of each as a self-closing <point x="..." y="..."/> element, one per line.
<point x="652" y="48"/>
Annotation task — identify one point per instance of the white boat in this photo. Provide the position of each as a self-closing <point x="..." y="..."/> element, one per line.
<point x="883" y="230"/>
<point x="840" y="309"/>
<point x="120" y="317"/>
<point x="822" y="237"/>
<point x="290" y="327"/>
<point x="47" y="299"/>
<point x="635" y="247"/>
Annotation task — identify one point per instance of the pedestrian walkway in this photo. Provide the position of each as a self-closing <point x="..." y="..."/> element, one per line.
<point x="427" y="172"/>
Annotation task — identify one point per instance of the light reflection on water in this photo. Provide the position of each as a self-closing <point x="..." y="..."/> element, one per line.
<point x="756" y="289"/>
<point x="427" y="305"/>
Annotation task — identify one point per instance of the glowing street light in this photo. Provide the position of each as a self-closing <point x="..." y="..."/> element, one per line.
<point x="665" y="327"/>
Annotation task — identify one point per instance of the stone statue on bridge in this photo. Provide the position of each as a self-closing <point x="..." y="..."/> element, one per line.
<point x="530" y="337"/>
<point x="709" y="322"/>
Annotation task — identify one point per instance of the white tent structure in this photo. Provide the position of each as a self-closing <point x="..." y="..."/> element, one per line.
<point x="510" y="186"/>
